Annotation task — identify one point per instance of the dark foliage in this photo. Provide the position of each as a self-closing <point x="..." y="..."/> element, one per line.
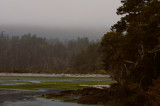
<point x="131" y="51"/>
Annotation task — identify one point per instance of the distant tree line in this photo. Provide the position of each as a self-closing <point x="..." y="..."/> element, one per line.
<point x="30" y="53"/>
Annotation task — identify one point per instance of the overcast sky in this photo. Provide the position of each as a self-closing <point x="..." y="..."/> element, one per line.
<point x="59" y="13"/>
<point x="58" y="18"/>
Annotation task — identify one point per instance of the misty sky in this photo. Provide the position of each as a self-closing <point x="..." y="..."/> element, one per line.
<point x="59" y="13"/>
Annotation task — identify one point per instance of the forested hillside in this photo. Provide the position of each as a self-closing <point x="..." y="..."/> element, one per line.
<point x="30" y="53"/>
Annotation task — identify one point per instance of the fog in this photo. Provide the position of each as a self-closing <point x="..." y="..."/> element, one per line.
<point x="58" y="18"/>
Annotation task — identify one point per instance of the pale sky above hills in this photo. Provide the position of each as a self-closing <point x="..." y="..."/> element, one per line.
<point x="59" y="14"/>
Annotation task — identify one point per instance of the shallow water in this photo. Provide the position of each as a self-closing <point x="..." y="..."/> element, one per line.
<point x="43" y="102"/>
<point x="14" y="97"/>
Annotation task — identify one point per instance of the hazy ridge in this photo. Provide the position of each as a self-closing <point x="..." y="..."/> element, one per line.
<point x="65" y="33"/>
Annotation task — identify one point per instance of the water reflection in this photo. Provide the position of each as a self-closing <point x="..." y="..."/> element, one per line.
<point x="43" y="102"/>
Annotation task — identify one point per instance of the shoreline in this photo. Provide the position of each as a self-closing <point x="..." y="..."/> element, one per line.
<point x="89" y="95"/>
<point x="52" y="75"/>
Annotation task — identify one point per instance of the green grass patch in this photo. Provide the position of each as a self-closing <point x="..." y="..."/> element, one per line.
<point x="52" y="82"/>
<point x="56" y="85"/>
<point x="11" y="82"/>
<point x="22" y="87"/>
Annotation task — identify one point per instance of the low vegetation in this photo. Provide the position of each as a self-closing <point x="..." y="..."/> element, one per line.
<point x="55" y="82"/>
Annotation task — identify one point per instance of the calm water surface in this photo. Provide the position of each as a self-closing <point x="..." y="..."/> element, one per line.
<point x="43" y="102"/>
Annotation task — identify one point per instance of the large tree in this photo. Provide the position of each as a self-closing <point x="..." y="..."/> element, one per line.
<point x="130" y="51"/>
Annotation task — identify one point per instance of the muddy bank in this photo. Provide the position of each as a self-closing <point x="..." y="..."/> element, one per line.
<point x="88" y="95"/>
